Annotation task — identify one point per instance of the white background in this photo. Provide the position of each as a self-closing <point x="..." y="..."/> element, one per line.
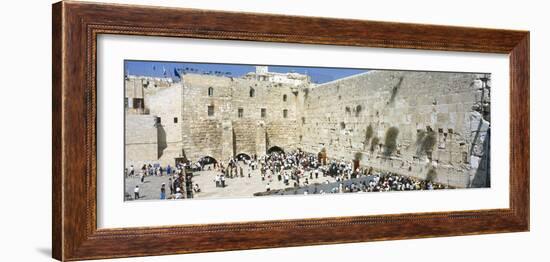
<point x="114" y="212"/>
<point x="25" y="139"/>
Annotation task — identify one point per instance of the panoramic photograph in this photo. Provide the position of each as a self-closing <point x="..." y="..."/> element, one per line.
<point x="212" y="131"/>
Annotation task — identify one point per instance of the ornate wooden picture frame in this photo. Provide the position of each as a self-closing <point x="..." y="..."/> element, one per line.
<point x="76" y="26"/>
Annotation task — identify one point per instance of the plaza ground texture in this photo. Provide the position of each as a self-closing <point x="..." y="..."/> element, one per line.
<point x="247" y="186"/>
<point x="237" y="187"/>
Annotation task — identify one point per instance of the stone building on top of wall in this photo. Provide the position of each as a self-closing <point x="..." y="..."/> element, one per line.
<point x="424" y="124"/>
<point x="262" y="74"/>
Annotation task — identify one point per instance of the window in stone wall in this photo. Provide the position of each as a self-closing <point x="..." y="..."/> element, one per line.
<point x="210" y="91"/>
<point x="263" y="112"/>
<point x="210" y="110"/>
<point x="284" y="98"/>
<point x="252" y="92"/>
<point x="240" y="112"/>
<point x="175" y="120"/>
<point x="285" y="113"/>
<point x="137" y="103"/>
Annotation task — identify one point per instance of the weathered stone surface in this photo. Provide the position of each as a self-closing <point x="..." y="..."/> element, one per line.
<point x="141" y="139"/>
<point x="439" y="125"/>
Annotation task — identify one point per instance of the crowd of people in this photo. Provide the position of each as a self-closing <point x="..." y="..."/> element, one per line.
<point x="149" y="170"/>
<point x="178" y="180"/>
<point x="376" y="182"/>
<point x="295" y="170"/>
<point x="339" y="176"/>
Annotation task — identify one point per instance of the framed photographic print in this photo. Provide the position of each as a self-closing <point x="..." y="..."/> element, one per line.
<point x="195" y="131"/>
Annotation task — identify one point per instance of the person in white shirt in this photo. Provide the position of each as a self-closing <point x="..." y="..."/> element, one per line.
<point x="136" y="192"/>
<point x="179" y="195"/>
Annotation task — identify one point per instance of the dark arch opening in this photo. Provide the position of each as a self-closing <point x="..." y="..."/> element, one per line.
<point x="242" y="156"/>
<point x="275" y="149"/>
<point x="206" y="160"/>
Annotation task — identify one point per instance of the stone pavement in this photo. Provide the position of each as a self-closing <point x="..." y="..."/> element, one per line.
<point x="237" y="187"/>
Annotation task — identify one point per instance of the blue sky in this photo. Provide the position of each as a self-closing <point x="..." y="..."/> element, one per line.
<point x="152" y="68"/>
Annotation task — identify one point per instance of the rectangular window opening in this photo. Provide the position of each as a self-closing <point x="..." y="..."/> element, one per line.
<point x="210" y="110"/>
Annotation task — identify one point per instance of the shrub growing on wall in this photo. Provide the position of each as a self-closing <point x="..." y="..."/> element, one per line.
<point x="306" y="92"/>
<point x="374" y="143"/>
<point x="390" y="143"/>
<point x="395" y="89"/>
<point x="358" y="110"/>
<point x="428" y="142"/>
<point x="432" y="175"/>
<point x="358" y="156"/>
<point x="425" y="142"/>
<point x="369" y="134"/>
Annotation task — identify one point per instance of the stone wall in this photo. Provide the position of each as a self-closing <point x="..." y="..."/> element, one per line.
<point x="166" y="105"/>
<point x="414" y="123"/>
<point x="140" y="140"/>
<point x="139" y="88"/>
<point x="418" y="121"/>
<point x="237" y="113"/>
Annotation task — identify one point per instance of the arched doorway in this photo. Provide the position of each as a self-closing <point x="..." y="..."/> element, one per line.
<point x="275" y="149"/>
<point x="207" y="163"/>
<point x="242" y="156"/>
<point x="207" y="160"/>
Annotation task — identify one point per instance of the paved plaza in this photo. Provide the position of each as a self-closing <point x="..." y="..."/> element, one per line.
<point x="236" y="187"/>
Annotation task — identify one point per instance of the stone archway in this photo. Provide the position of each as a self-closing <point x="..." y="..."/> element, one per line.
<point x="206" y="160"/>
<point x="275" y="149"/>
<point x="207" y="163"/>
<point x="243" y="156"/>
